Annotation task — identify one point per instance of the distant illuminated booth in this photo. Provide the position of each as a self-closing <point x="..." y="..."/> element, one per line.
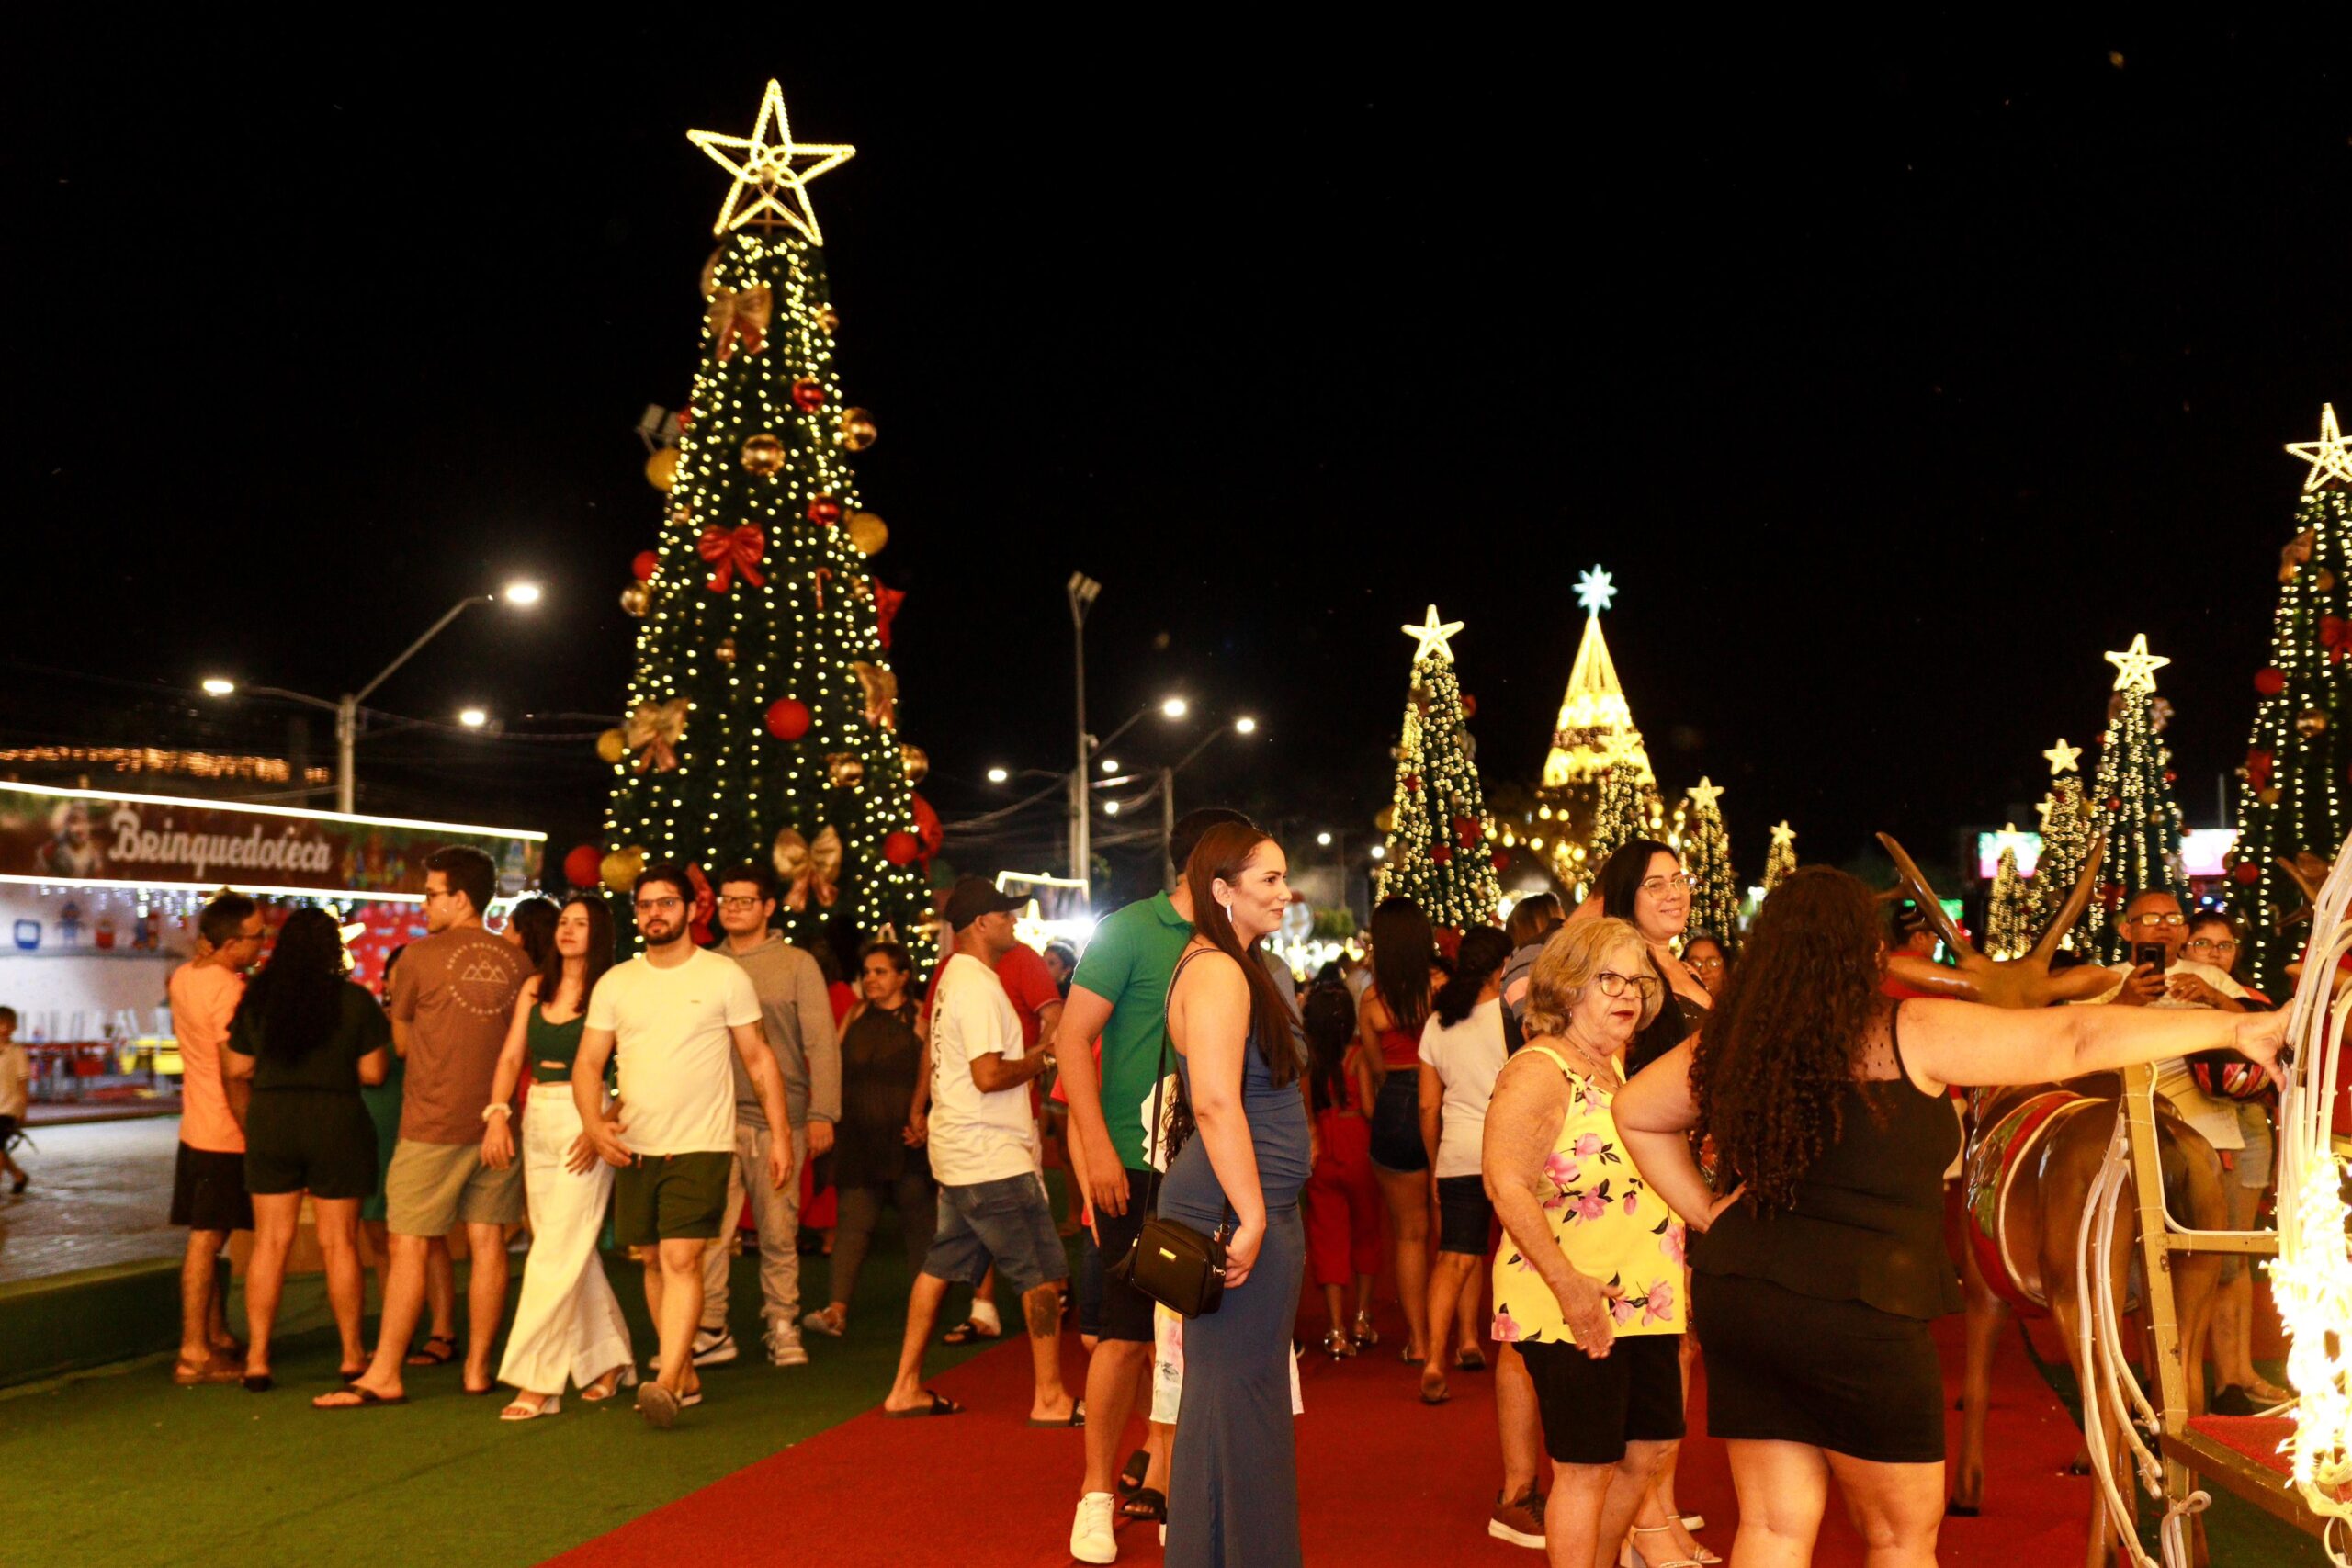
<point x="99" y="893"/>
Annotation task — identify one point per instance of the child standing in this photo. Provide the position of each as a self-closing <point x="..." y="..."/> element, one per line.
<point x="15" y="1095"/>
<point x="1342" y="1201"/>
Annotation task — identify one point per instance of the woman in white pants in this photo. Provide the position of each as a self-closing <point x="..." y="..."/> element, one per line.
<point x="568" y="1325"/>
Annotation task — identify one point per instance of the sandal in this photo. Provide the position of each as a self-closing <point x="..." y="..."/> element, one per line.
<point x="1338" y="1346"/>
<point x="968" y="1330"/>
<point x="1149" y="1503"/>
<point x="1077" y="1416"/>
<point x="429" y="1357"/>
<point x="1138" y="1466"/>
<point x="518" y="1411"/>
<point x="192" y="1374"/>
<point x="1365" y="1334"/>
<point x="827" y="1322"/>
<point x="368" y="1399"/>
<point x="603" y="1388"/>
<point x="940" y="1405"/>
<point x="1470" y="1361"/>
<point x="1434" y="1389"/>
<point x="1634" y="1553"/>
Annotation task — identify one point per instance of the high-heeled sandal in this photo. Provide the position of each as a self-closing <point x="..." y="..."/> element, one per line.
<point x="1365" y="1334"/>
<point x="624" y="1376"/>
<point x="1631" y="1556"/>
<point x="1338" y="1346"/>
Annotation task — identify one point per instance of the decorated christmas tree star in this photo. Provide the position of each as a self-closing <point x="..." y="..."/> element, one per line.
<point x="2062" y="757"/>
<point x="1782" y="857"/>
<point x="2135" y="667"/>
<point x="774" y="166"/>
<point x="1783" y="836"/>
<point x="2330" y="455"/>
<point x="1432" y="640"/>
<point x="1705" y="793"/>
<point x="1594" y="591"/>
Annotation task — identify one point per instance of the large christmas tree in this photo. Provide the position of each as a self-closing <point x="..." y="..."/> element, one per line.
<point x="1706" y="859"/>
<point x="2131" y="795"/>
<point x="1593" y="737"/>
<point x="2066" y="833"/>
<point x="762" y="714"/>
<point x="1438" y="854"/>
<point x="2292" y="801"/>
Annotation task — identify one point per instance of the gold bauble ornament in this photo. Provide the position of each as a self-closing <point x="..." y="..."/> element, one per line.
<point x="829" y="318"/>
<point x="916" y="762"/>
<point x="661" y="469"/>
<point x="634" y="598"/>
<point x="612" y="746"/>
<point x="2323" y="581"/>
<point x="764" y="454"/>
<point x="1386" y="820"/>
<point x="2269" y="796"/>
<point x="844" y="769"/>
<point x="620" y="868"/>
<point x="725" y="651"/>
<point x="868" y="533"/>
<point x="2311" y="722"/>
<point x="856" y="430"/>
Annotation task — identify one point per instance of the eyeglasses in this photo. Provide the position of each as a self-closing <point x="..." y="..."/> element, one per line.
<point x="1657" y="884"/>
<point x="1612" y="984"/>
<point x="1702" y="962"/>
<point x="2166" y="922"/>
<point x="2210" y="946"/>
<point x="736" y="901"/>
<point x="672" y="903"/>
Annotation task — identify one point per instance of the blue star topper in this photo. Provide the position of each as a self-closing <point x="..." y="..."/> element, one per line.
<point x="1594" y="591"/>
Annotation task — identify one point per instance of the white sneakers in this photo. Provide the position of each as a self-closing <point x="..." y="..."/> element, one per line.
<point x="714" y="1346"/>
<point x="1090" y="1540"/>
<point x="783" y="1345"/>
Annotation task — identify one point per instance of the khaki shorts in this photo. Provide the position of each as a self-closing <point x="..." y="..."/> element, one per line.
<point x="431" y="1189"/>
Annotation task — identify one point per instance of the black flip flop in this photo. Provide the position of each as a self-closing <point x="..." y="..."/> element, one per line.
<point x="369" y="1400"/>
<point x="1077" y="1416"/>
<point x="940" y="1405"/>
<point x="1470" y="1361"/>
<point x="429" y="1357"/>
<point x="968" y="1331"/>
<point x="1149" y="1503"/>
<point x="1138" y="1466"/>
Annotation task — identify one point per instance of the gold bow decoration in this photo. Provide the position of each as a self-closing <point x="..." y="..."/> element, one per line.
<point x="653" y="732"/>
<point x="809" y="870"/>
<point x="745" y="314"/>
<point x="880" y="687"/>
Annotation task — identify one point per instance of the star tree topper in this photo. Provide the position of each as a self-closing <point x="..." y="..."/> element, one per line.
<point x="2062" y="756"/>
<point x="1783" y="835"/>
<point x="1594" y="591"/>
<point x="774" y="166"/>
<point x="2135" y="667"/>
<point x="2330" y="455"/>
<point x="1704" y="793"/>
<point x="1432" y="638"/>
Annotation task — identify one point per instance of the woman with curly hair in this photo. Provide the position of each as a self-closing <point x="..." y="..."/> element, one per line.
<point x="1817" y="1275"/>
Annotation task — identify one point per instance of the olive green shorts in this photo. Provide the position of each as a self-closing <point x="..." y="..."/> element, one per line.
<point x="671" y="1198"/>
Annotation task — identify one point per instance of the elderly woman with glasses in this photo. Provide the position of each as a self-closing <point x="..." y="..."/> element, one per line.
<point x="1588" y="1284"/>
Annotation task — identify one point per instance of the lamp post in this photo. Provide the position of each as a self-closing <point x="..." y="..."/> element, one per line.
<point x="345" y="708"/>
<point x="1081" y="591"/>
<point x="1245" y="724"/>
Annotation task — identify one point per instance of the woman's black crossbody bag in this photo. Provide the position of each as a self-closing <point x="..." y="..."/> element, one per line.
<point x="1179" y="1267"/>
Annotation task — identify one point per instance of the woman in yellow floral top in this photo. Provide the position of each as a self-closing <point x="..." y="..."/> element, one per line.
<point x="1589" y="1280"/>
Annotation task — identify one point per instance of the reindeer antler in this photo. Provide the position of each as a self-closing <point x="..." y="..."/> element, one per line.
<point x="1924" y="896"/>
<point x="2077" y="902"/>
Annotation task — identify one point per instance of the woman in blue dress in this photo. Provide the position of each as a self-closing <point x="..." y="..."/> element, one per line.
<point x="1233" y="1496"/>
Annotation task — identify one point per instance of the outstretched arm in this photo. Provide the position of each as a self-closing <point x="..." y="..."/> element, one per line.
<point x="1961" y="1043"/>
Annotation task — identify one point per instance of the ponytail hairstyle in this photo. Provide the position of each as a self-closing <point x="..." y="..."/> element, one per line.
<point x="1480" y="958"/>
<point x="1220" y="856"/>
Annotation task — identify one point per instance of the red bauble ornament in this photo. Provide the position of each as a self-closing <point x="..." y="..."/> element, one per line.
<point x="646" y="564"/>
<point x="1501" y="859"/>
<point x="2171" y="777"/>
<point x="2245" y="873"/>
<point x="900" y="848"/>
<point x="1467" y="831"/>
<point x="787" y="718"/>
<point x="1469" y="705"/>
<point x="2114" y="803"/>
<point x="1413" y="780"/>
<point x="2258" y="764"/>
<point x="685" y="419"/>
<point x="824" y="511"/>
<point x="1441" y="853"/>
<point x="2270" y="680"/>
<point x="2332" y="629"/>
<point x="583" y="867"/>
<point x="807" y="394"/>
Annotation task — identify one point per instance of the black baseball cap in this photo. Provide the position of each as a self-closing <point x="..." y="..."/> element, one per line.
<point x="974" y="896"/>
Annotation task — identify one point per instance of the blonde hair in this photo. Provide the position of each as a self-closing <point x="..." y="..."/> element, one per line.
<point x="1567" y="966"/>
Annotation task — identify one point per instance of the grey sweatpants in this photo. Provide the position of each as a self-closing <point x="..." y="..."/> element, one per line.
<point x="777" y="1216"/>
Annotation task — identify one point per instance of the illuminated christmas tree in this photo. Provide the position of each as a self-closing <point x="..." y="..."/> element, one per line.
<point x="762" y="712"/>
<point x="2008" y="917"/>
<point x="1594" y="736"/>
<point x="1706" y="859"/>
<point x="1781" y="859"/>
<point x="2068" y="829"/>
<point x="1621" y="815"/>
<point x="1437" y="851"/>
<point x="2292" y="800"/>
<point x="2131" y="796"/>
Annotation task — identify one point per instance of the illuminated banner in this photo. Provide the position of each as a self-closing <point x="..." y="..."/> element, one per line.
<point x="75" y="835"/>
<point x="2204" y="852"/>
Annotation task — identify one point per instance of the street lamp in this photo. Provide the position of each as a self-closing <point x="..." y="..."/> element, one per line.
<point x="345" y="708"/>
<point x="1324" y="839"/>
<point x="1081" y="591"/>
<point x="1174" y="708"/>
<point x="472" y="718"/>
<point x="1109" y="767"/>
<point x="1245" y="724"/>
<point x="998" y="776"/>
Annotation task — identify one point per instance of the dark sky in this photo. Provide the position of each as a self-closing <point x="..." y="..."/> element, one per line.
<point x="1894" y="378"/>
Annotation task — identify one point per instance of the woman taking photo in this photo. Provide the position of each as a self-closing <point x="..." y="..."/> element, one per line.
<point x="1395" y="1005"/>
<point x="568" y="1324"/>
<point x="1462" y="1050"/>
<point x="1234" y="1498"/>
<point x="1825" y="1263"/>
<point x="878" y="1143"/>
<point x="306" y="1038"/>
<point x="1588" y="1281"/>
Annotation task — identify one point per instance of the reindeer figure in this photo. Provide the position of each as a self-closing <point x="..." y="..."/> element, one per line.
<point x="2032" y="1155"/>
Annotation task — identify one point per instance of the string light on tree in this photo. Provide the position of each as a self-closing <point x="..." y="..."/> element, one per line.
<point x="1594" y="734"/>
<point x="2068" y="829"/>
<point x="770" y="165"/>
<point x="1706" y="859"/>
<point x="2132" y="797"/>
<point x="1782" y="857"/>
<point x="2008" y="918"/>
<point x="2330" y="455"/>
<point x="1438" y="852"/>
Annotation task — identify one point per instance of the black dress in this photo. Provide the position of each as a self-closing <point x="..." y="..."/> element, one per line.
<point x="1812" y="1319"/>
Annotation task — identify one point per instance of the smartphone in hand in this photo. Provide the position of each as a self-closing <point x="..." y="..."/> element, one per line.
<point x="2151" y="954"/>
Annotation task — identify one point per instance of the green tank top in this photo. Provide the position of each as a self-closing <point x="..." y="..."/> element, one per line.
<point x="552" y="1046"/>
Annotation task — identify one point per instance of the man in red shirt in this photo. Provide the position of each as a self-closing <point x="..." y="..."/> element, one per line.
<point x="208" y="1175"/>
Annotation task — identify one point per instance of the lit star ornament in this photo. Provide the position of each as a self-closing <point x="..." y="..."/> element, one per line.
<point x="771" y="164"/>
<point x="1594" y="591"/>
<point x="1783" y="835"/>
<point x="1704" y="793"/>
<point x="2330" y="455"/>
<point x="2135" y="667"/>
<point x="2062" y="756"/>
<point x="1432" y="638"/>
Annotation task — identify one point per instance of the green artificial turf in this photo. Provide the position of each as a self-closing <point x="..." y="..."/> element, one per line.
<point x="121" y="1467"/>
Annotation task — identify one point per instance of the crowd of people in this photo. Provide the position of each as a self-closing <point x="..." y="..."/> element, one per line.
<point x="1588" y="1140"/>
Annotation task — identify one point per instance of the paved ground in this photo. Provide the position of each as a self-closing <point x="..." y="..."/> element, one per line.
<point x="101" y="1193"/>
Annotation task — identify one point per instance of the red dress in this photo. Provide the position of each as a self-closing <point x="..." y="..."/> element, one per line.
<point x="1342" y="1199"/>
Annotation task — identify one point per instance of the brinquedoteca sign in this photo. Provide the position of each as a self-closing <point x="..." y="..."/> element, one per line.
<point x="144" y="839"/>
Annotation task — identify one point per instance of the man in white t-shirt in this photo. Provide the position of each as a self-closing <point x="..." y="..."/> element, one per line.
<point x="679" y="1016"/>
<point x="2153" y="919"/>
<point x="983" y="1143"/>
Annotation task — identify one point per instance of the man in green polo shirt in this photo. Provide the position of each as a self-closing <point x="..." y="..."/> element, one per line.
<point x="1120" y="996"/>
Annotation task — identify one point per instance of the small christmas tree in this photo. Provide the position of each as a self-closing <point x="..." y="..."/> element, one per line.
<point x="2133" y="795"/>
<point x="2008" y="917"/>
<point x="1781" y="859"/>
<point x="2292" y="800"/>
<point x="1628" y="809"/>
<point x="1437" y="852"/>
<point x="1706" y="859"/>
<point x="2066" y="831"/>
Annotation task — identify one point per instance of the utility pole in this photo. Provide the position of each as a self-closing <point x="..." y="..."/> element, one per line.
<point x="1081" y="591"/>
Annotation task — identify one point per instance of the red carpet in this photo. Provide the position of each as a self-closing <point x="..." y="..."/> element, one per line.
<point x="1383" y="1480"/>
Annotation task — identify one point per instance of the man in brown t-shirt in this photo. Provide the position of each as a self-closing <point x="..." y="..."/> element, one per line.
<point x="453" y="999"/>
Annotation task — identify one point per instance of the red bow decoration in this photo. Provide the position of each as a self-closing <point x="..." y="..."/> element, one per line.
<point x="729" y="553"/>
<point x="705" y="904"/>
<point x="886" y="607"/>
<point x="2331" y="630"/>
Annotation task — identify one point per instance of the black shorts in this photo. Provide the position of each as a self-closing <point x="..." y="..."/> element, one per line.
<point x="1593" y="1409"/>
<point x="1466" y="1219"/>
<point x="7" y="1133"/>
<point x="1396" y="1122"/>
<point x="1124" y="1314"/>
<point x="208" y="1191"/>
<point x="1839" y="1375"/>
<point x="300" y="1140"/>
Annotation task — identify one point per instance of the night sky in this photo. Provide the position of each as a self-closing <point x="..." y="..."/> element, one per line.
<point x="1894" y="379"/>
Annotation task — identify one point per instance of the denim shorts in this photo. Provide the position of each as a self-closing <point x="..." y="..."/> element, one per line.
<point x="1006" y="1222"/>
<point x="1396" y="1122"/>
